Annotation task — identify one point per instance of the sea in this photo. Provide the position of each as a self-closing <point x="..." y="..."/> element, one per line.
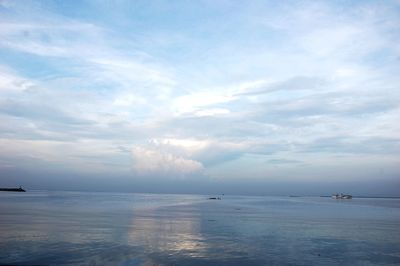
<point x="93" y="228"/>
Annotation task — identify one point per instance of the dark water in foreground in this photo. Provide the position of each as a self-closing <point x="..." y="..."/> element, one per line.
<point x="70" y="228"/>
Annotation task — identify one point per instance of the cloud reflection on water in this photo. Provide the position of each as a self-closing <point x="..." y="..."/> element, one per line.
<point x="171" y="232"/>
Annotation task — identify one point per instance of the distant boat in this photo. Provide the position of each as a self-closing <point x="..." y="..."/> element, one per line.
<point x="214" y="198"/>
<point x="341" y="196"/>
<point x="20" y="189"/>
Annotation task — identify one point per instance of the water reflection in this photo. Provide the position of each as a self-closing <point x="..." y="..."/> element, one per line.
<point x="169" y="232"/>
<point x="140" y="229"/>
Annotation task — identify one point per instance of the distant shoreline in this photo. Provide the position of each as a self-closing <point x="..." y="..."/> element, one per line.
<point x="206" y="195"/>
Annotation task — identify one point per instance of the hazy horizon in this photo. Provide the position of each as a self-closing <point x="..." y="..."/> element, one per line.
<point x="206" y="97"/>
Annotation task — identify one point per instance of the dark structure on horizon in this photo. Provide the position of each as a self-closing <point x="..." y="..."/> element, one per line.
<point x="20" y="189"/>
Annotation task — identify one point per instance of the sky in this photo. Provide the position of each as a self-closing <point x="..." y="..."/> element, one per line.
<point x="254" y="97"/>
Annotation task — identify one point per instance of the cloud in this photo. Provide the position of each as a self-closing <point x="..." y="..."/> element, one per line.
<point x="354" y="145"/>
<point x="12" y="83"/>
<point x="208" y="151"/>
<point x="294" y="83"/>
<point x="268" y="86"/>
<point x="196" y="101"/>
<point x="283" y="161"/>
<point x="156" y="162"/>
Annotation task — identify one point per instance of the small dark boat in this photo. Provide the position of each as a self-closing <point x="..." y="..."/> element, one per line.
<point x="342" y="196"/>
<point x="20" y="189"/>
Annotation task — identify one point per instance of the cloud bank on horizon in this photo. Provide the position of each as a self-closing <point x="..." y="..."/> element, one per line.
<point x="262" y="91"/>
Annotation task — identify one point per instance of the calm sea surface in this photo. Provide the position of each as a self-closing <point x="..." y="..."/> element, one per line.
<point x="76" y="228"/>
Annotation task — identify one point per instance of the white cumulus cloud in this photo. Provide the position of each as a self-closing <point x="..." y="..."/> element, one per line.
<point x="153" y="161"/>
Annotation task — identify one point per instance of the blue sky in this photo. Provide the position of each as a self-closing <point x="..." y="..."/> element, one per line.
<point x="198" y="96"/>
